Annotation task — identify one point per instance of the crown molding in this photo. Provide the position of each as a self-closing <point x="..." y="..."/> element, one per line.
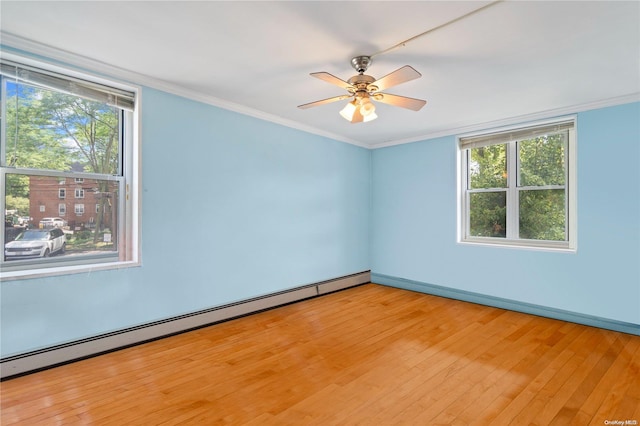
<point x="520" y="119"/>
<point x="48" y="53"/>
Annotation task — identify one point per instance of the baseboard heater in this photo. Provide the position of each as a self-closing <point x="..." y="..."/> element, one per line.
<point x="33" y="361"/>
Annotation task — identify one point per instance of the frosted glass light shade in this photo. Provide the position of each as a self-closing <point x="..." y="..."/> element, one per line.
<point x="348" y="110"/>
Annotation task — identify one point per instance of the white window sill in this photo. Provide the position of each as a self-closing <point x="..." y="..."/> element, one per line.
<point x="65" y="270"/>
<point x="520" y="245"/>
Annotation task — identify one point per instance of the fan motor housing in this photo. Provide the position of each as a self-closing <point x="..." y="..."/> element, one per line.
<point x="361" y="81"/>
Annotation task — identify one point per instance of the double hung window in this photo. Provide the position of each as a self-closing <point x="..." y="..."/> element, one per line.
<point x="518" y="186"/>
<point x="66" y="133"/>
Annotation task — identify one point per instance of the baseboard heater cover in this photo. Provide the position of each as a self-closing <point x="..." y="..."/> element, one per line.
<point x="61" y="354"/>
<point x="512" y="305"/>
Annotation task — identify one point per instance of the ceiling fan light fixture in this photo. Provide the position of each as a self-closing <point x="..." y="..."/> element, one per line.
<point x="354" y="111"/>
<point x="348" y="110"/>
<point x="367" y="107"/>
<point x="369" y="117"/>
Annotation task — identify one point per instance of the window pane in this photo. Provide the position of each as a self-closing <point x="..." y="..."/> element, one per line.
<point x="542" y="160"/>
<point x="31" y="202"/>
<point x="542" y="215"/>
<point x="51" y="130"/>
<point x="488" y="214"/>
<point x="488" y="167"/>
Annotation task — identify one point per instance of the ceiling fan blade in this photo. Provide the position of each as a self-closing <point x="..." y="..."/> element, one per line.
<point x="400" y="75"/>
<point x="324" y="101"/>
<point x="399" y="101"/>
<point x="330" y="78"/>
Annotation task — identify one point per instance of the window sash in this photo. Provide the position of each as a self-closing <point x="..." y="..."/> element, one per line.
<point x="118" y="255"/>
<point x="125" y="119"/>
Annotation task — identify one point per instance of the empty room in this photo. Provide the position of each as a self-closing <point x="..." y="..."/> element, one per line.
<point x="320" y="212"/>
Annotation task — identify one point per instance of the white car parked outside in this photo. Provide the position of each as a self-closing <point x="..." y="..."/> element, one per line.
<point x="36" y="243"/>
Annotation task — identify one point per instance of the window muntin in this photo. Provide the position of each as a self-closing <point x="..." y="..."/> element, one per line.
<point x="45" y="116"/>
<point x="517" y="186"/>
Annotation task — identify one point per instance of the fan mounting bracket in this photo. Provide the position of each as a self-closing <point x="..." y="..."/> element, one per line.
<point x="361" y="63"/>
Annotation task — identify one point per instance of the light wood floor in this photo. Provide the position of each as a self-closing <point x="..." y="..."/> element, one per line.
<point x="369" y="355"/>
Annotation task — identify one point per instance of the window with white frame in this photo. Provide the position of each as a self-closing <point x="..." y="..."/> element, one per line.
<point x="57" y="124"/>
<point x="518" y="186"/>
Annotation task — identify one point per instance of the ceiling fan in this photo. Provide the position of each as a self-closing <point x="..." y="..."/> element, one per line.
<point x="364" y="88"/>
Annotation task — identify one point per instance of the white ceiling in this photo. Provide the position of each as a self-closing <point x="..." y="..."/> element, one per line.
<point x="513" y="60"/>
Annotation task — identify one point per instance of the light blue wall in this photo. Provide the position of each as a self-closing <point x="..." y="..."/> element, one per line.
<point x="232" y="207"/>
<point x="414" y="225"/>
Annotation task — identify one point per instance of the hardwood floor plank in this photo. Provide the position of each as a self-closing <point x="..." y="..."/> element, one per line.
<point x="616" y="384"/>
<point x="621" y="383"/>
<point x="370" y="355"/>
<point x="487" y="392"/>
<point x="527" y="390"/>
